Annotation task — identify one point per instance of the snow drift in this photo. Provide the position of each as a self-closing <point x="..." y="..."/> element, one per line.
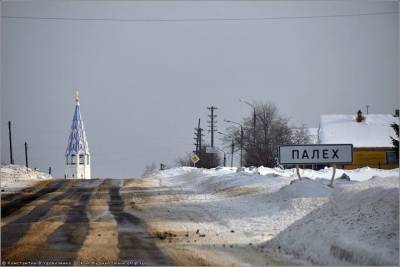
<point x="16" y="176"/>
<point x="359" y="225"/>
<point x="270" y="210"/>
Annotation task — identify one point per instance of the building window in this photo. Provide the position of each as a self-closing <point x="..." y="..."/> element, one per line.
<point x="73" y="159"/>
<point x="391" y="157"/>
<point x="81" y="159"/>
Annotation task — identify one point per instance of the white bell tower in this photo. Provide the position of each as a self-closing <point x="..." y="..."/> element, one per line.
<point x="77" y="156"/>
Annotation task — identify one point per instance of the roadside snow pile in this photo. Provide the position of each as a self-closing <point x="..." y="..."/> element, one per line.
<point x="269" y="211"/>
<point x="359" y="225"/>
<point x="305" y="188"/>
<point x="14" y="176"/>
<point x="361" y="174"/>
<point x="189" y="176"/>
<point x="225" y="177"/>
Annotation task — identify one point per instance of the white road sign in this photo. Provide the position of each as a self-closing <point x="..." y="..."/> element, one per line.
<point x="312" y="154"/>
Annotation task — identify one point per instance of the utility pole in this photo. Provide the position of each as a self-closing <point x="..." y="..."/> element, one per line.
<point x="49" y="170"/>
<point x="241" y="139"/>
<point x="254" y="126"/>
<point x="26" y="155"/>
<point x="9" y="135"/>
<point x="212" y="127"/>
<point x="232" y="149"/>
<point x="198" y="138"/>
<point x="241" y="145"/>
<point x="367" y="108"/>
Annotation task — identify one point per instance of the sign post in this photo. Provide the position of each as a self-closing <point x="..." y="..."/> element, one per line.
<point x="331" y="154"/>
<point x="298" y="171"/>
<point x="333" y="175"/>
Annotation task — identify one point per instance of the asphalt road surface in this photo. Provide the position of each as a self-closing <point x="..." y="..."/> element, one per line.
<point x="74" y="222"/>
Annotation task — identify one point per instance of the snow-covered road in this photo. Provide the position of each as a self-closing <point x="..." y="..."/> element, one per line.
<point x="190" y="216"/>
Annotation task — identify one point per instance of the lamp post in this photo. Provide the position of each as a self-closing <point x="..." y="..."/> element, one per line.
<point x="232" y="148"/>
<point x="241" y="139"/>
<point x="254" y="118"/>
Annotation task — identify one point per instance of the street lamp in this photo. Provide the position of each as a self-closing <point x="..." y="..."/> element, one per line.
<point x="241" y="139"/>
<point x="232" y="147"/>
<point x="254" y="118"/>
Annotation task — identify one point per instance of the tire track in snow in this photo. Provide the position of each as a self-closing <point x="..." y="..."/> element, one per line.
<point x="23" y="211"/>
<point x="15" y="230"/>
<point x="30" y="246"/>
<point x="135" y="244"/>
<point x="65" y="242"/>
<point x="101" y="243"/>
<point x="17" y="203"/>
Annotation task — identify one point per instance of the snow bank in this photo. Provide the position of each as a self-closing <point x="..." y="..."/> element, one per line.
<point x="269" y="208"/>
<point x="16" y="176"/>
<point x="359" y="225"/>
<point x="192" y="177"/>
<point x="305" y="188"/>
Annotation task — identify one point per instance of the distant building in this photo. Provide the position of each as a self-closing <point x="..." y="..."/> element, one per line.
<point x="77" y="156"/>
<point x="370" y="135"/>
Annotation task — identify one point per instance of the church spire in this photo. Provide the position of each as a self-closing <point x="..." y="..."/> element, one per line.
<point x="77" y="155"/>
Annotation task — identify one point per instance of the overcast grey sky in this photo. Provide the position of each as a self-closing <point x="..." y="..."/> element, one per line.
<point x="144" y="84"/>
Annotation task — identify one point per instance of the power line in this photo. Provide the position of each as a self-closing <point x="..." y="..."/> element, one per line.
<point x="197" y="19"/>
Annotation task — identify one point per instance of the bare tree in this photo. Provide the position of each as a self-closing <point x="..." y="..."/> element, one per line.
<point x="149" y="169"/>
<point x="271" y="131"/>
<point x="300" y="135"/>
<point x="184" y="161"/>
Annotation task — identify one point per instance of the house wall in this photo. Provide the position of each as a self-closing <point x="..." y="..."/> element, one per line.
<point x="370" y="157"/>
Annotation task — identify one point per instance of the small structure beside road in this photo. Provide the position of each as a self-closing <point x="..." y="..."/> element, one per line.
<point x="369" y="133"/>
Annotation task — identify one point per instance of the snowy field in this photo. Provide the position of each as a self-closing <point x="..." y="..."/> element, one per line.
<point x="15" y="177"/>
<point x="265" y="216"/>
